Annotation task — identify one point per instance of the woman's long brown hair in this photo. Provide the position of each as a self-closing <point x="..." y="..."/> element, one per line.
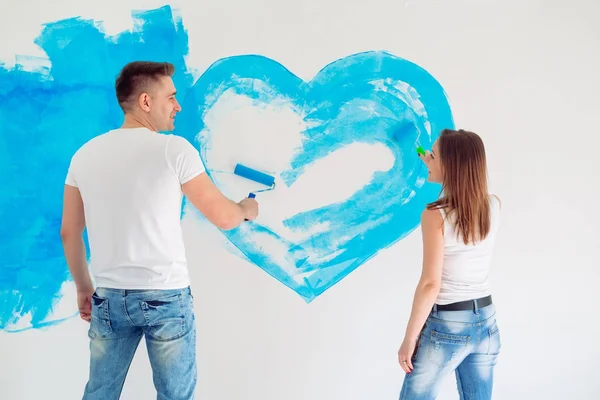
<point x="464" y="187"/>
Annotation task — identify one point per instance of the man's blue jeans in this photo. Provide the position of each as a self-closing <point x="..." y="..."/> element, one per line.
<point x="120" y="318"/>
<point x="464" y="342"/>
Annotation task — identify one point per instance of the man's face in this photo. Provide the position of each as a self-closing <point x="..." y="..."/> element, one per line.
<point x="164" y="106"/>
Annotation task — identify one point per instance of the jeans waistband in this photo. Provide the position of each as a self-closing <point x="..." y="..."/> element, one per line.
<point x="125" y="292"/>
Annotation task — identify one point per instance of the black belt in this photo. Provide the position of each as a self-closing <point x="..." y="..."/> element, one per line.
<point x="466" y="305"/>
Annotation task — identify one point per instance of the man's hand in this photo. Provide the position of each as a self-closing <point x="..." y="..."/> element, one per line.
<point x="71" y="232"/>
<point x="84" y="303"/>
<point x="250" y="207"/>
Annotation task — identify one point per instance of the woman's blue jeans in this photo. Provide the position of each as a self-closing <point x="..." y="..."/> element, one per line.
<point x="464" y="342"/>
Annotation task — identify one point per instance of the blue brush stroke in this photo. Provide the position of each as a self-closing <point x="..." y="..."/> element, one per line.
<point x="47" y="114"/>
<point x="44" y="117"/>
<point x="342" y="106"/>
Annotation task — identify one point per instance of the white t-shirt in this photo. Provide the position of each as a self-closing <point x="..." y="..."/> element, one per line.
<point x="130" y="182"/>
<point x="465" y="273"/>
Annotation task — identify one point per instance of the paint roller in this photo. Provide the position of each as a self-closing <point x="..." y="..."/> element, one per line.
<point x="255" y="176"/>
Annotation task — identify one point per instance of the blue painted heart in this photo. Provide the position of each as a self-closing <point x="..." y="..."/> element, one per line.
<point x="371" y="98"/>
<point x="46" y="115"/>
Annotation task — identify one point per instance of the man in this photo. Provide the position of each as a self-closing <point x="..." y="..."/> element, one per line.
<point x="125" y="186"/>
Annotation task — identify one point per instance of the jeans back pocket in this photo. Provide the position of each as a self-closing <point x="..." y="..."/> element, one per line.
<point x="165" y="317"/>
<point x="100" y="325"/>
<point x="445" y="347"/>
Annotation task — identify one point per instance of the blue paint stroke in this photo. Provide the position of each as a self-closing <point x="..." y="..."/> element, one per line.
<point x="45" y="116"/>
<point x="363" y="97"/>
<point x="47" y="113"/>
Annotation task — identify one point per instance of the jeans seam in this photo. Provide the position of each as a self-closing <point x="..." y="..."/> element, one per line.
<point x="182" y="310"/>
<point x="126" y="312"/>
<point x="459" y="384"/>
<point x="105" y="306"/>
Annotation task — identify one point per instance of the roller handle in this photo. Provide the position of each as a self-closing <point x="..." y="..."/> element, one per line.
<point x="250" y="196"/>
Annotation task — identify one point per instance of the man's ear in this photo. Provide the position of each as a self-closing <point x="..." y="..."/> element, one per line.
<point x="144" y="101"/>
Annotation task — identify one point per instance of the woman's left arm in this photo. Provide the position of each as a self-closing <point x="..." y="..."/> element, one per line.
<point x="428" y="286"/>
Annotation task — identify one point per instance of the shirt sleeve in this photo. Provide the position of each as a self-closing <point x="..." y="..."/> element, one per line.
<point x="183" y="159"/>
<point x="70" y="179"/>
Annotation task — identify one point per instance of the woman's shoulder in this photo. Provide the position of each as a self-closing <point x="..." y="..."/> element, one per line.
<point x="432" y="213"/>
<point x="495" y="196"/>
<point x="432" y="218"/>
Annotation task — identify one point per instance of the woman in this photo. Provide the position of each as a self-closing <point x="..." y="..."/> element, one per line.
<point x="452" y="325"/>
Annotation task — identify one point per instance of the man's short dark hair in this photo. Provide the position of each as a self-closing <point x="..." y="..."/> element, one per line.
<point x="135" y="78"/>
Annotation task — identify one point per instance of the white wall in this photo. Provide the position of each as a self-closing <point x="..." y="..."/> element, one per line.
<point x="522" y="74"/>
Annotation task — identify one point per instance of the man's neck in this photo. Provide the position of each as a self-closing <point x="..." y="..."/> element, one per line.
<point x="131" y="121"/>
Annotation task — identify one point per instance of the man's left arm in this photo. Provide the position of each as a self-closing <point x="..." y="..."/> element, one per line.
<point x="71" y="233"/>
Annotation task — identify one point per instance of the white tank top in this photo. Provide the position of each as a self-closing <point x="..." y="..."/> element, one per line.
<point x="465" y="272"/>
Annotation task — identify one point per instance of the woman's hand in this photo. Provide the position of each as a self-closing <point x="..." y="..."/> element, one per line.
<point x="405" y="353"/>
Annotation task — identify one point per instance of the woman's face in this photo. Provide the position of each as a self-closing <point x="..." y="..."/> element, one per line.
<point x="433" y="163"/>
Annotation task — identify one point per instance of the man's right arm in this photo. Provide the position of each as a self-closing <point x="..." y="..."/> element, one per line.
<point x="224" y="213"/>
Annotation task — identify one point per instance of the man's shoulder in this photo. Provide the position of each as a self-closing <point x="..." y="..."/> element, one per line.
<point x="174" y="138"/>
<point x="90" y="143"/>
<point x="178" y="144"/>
